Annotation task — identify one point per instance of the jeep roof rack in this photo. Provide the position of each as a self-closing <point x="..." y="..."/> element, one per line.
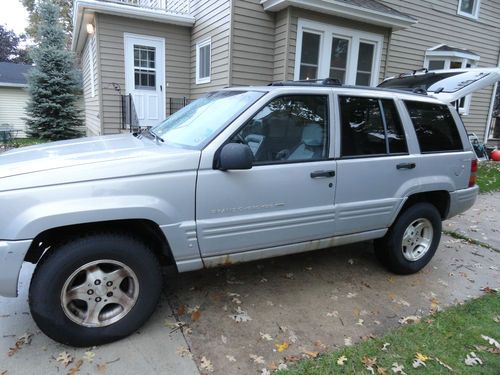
<point x="309" y="82"/>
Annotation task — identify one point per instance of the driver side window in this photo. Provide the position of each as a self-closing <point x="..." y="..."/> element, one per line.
<point x="289" y="128"/>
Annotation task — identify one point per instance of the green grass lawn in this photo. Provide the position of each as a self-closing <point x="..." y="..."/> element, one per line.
<point x="28" y="141"/>
<point x="488" y="176"/>
<point x="449" y="336"/>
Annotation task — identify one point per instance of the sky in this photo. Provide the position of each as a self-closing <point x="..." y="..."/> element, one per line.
<point x="14" y="15"/>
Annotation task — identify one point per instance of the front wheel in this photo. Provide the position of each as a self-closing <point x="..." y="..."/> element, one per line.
<point x="95" y="289"/>
<point x="412" y="240"/>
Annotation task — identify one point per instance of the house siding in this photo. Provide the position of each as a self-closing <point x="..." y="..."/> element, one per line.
<point x="13" y="101"/>
<point x="438" y="23"/>
<point x="213" y="20"/>
<point x="112" y="62"/>
<point x="91" y="99"/>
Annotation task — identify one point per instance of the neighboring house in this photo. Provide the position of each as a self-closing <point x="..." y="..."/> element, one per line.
<point x="13" y="96"/>
<point x="165" y="52"/>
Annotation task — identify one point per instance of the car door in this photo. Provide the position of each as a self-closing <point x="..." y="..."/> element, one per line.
<point x="286" y="197"/>
<point x="376" y="167"/>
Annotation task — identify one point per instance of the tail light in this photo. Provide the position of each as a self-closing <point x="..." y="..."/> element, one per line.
<point x="473" y="171"/>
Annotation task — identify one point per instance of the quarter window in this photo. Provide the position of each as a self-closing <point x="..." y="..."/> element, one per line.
<point x="288" y="129"/>
<point x="435" y="127"/>
<point x="203" y="61"/>
<point x="370" y="126"/>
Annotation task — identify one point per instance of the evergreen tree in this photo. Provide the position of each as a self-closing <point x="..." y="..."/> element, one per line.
<point x="54" y="84"/>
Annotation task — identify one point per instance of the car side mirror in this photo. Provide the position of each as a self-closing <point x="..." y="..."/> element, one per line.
<point x="235" y="156"/>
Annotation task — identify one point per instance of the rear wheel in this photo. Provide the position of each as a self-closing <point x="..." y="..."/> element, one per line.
<point x="95" y="289"/>
<point x="412" y="240"/>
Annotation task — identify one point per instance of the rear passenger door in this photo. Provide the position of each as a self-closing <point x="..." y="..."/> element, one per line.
<point x="375" y="168"/>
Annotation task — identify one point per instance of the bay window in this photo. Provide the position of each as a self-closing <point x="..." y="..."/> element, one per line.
<point x="349" y="55"/>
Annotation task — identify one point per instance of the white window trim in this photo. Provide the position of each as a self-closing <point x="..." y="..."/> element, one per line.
<point x="475" y="12"/>
<point x="354" y="36"/>
<point x="453" y="56"/>
<point x="199" y="45"/>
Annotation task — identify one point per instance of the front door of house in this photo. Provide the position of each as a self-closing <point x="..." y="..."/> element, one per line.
<point x="145" y="77"/>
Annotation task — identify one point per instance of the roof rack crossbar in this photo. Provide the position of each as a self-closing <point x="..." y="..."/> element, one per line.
<point x="309" y="82"/>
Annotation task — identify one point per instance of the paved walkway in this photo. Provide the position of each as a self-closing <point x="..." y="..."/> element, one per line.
<point x="311" y="302"/>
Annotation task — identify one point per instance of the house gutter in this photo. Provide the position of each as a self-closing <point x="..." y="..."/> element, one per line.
<point x="81" y="7"/>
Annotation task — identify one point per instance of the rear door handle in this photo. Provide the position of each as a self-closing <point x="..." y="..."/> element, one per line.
<point x="406" y="166"/>
<point x="322" y="174"/>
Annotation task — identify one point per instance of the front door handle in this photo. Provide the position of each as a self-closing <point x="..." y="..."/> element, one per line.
<point x="322" y="174"/>
<point x="406" y="166"/>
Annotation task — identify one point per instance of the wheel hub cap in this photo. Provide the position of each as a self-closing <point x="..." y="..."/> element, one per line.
<point x="417" y="239"/>
<point x="99" y="293"/>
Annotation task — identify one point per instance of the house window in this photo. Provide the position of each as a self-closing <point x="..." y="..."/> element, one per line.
<point x="349" y="55"/>
<point x="446" y="57"/>
<point x="468" y="8"/>
<point x="144" y="68"/>
<point x="203" y="61"/>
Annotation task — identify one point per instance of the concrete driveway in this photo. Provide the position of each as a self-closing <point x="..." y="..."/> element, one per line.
<point x="240" y="319"/>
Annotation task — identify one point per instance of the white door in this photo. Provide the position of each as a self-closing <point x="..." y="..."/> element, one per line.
<point x="145" y="77"/>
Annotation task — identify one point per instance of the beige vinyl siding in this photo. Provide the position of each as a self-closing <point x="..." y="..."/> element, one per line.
<point x="253" y="44"/>
<point x="112" y="64"/>
<point x="438" y="23"/>
<point x="13" y="101"/>
<point x="281" y="44"/>
<point x="297" y="13"/>
<point x="91" y="97"/>
<point x="213" y="20"/>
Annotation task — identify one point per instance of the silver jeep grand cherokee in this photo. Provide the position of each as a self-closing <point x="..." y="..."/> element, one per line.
<point x="238" y="175"/>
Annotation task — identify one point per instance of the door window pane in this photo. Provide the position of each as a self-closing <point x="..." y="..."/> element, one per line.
<point x="289" y="128"/>
<point x="362" y="129"/>
<point x="144" y="67"/>
<point x="309" y="56"/>
<point x="338" y="61"/>
<point x="365" y="64"/>
<point x="435" y="127"/>
<point x="395" y="133"/>
<point x="436" y="64"/>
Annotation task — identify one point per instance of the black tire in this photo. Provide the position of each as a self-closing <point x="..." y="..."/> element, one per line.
<point x="389" y="249"/>
<point x="60" y="263"/>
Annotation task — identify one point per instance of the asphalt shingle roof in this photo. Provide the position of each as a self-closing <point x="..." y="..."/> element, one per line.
<point x="446" y="48"/>
<point x="376" y="6"/>
<point x="11" y="73"/>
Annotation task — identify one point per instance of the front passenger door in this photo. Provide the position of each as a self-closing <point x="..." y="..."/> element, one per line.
<point x="287" y="196"/>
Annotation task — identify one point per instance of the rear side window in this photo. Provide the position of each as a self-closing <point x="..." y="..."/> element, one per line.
<point x="435" y="127"/>
<point x="370" y="127"/>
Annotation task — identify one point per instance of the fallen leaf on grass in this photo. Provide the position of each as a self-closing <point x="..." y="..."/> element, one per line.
<point x="409" y="319"/>
<point x="282" y="347"/>
<point x="89" y="356"/>
<point x="489" y="290"/>
<point x="73" y="370"/>
<point x="230" y="358"/>
<point x="257" y="359"/>
<point x="398" y="369"/>
<point x="195" y="315"/>
<point x="292" y="337"/>
<point x="472" y="359"/>
<point x="385" y="346"/>
<point x="443" y="364"/>
<point x="20" y="342"/>
<point x="282" y="366"/>
<point x="334" y="314"/>
<point x="491" y="341"/>
<point x="311" y="354"/>
<point x="360" y="322"/>
<point x="65" y="358"/>
<point x="341" y="360"/>
<point x="496" y="318"/>
<point x="369" y="363"/>
<point x="381" y="371"/>
<point x="206" y="364"/>
<point x="265" y="371"/>
<point x="351" y="295"/>
<point x="266" y="336"/>
<point x="292" y="358"/>
<point x="348" y="341"/>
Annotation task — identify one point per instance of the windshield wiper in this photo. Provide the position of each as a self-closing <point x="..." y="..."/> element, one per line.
<point x="156" y="136"/>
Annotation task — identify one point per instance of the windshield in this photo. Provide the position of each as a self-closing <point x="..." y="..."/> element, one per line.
<point x="197" y="123"/>
<point x="435" y="82"/>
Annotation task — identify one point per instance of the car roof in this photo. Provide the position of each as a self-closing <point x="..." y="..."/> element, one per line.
<point x="342" y="90"/>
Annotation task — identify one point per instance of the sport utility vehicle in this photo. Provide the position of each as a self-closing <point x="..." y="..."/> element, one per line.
<point x="238" y="175"/>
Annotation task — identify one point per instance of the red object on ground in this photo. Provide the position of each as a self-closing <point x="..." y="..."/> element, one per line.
<point x="495" y="155"/>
